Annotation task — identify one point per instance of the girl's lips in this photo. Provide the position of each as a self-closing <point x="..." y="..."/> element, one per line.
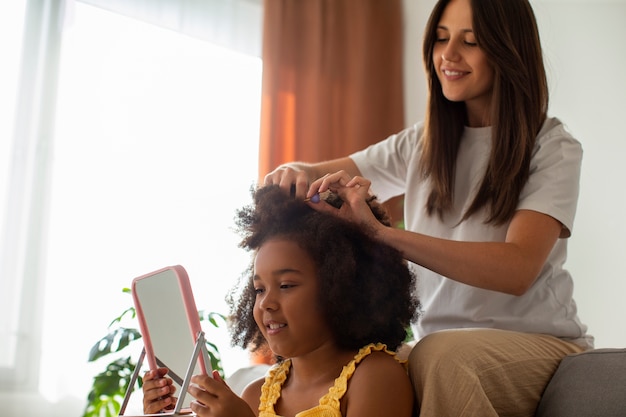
<point x="274" y="328"/>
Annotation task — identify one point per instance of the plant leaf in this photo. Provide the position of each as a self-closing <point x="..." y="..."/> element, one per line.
<point x="107" y="345"/>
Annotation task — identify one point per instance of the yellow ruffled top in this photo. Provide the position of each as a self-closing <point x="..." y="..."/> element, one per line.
<point x="329" y="404"/>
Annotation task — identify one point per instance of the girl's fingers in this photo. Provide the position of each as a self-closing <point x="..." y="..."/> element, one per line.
<point x="218" y="377"/>
<point x="158" y="391"/>
<point x="157" y="406"/>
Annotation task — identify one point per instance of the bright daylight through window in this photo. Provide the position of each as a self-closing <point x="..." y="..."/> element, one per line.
<point x="156" y="146"/>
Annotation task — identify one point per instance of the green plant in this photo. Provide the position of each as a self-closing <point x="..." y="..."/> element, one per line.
<point x="109" y="386"/>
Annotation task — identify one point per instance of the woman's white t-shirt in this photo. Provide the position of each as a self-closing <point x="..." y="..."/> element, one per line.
<point x="547" y="307"/>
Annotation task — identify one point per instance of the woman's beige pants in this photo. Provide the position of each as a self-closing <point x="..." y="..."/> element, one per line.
<point x="483" y="372"/>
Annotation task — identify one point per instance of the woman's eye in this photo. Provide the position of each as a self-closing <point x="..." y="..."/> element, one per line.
<point x="468" y="43"/>
<point x="441" y="40"/>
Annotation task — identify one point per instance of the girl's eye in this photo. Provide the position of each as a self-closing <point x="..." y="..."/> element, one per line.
<point x="258" y="291"/>
<point x="468" y="43"/>
<point x="286" y="286"/>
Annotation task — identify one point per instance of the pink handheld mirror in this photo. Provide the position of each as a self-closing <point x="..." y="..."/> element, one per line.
<point x="170" y="328"/>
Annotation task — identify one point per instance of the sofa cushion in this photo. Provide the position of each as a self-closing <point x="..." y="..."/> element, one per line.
<point x="587" y="384"/>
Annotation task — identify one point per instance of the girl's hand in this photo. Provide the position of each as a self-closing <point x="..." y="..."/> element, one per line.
<point x="213" y="398"/>
<point x="158" y="391"/>
<point x="354" y="191"/>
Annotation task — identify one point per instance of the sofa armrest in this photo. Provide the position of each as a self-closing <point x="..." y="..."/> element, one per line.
<point x="588" y="384"/>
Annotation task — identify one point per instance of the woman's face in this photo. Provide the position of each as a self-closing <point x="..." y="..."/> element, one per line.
<point x="461" y="66"/>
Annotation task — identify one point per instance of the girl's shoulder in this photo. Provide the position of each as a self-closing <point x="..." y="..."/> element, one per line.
<point x="376" y="363"/>
<point x="380" y="385"/>
<point x="380" y="362"/>
<point x="252" y="393"/>
<point x="376" y="355"/>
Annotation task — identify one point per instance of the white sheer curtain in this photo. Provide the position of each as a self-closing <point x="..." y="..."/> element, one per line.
<point x="51" y="276"/>
<point x="25" y="200"/>
<point x="11" y="26"/>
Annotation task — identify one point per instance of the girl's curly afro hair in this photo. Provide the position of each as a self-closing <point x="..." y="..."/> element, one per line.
<point x="366" y="287"/>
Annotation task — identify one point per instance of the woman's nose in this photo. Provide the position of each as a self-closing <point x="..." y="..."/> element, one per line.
<point x="450" y="53"/>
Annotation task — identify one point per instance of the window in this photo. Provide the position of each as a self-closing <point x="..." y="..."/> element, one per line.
<point x="155" y="147"/>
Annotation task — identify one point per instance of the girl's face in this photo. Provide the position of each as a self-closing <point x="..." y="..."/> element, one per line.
<point x="286" y="307"/>
<point x="461" y="66"/>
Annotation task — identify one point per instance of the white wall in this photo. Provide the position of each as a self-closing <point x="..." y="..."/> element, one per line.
<point x="584" y="47"/>
<point x="585" y="57"/>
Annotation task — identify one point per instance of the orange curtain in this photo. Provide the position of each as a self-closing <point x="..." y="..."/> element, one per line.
<point x="332" y="78"/>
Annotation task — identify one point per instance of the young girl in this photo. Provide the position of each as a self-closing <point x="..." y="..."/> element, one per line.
<point x="330" y="301"/>
<point x="490" y="186"/>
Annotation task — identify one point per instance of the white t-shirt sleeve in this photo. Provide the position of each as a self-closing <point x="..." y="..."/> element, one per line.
<point x="387" y="162"/>
<point x="553" y="184"/>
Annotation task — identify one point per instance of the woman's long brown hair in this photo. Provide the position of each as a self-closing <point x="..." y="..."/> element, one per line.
<point x="506" y="31"/>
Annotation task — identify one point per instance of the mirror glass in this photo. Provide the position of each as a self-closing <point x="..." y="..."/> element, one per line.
<point x="169" y="322"/>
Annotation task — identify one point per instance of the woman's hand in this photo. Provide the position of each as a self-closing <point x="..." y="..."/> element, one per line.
<point x="353" y="190"/>
<point x="213" y="398"/>
<point x="158" y="391"/>
<point x="295" y="177"/>
<point x="291" y="178"/>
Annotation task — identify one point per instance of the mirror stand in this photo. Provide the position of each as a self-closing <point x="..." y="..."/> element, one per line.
<point x="200" y="347"/>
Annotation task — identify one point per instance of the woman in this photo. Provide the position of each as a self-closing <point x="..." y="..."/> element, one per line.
<point x="491" y="187"/>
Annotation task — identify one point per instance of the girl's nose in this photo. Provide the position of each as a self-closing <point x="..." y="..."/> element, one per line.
<point x="268" y="301"/>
